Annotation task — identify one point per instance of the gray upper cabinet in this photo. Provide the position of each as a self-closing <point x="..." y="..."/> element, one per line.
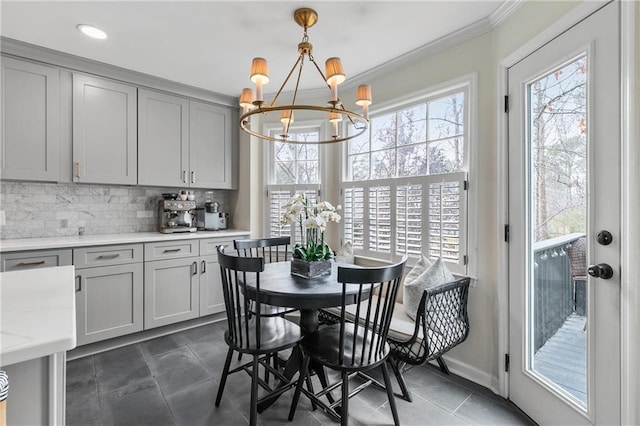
<point x="163" y="139"/>
<point x="104" y="131"/>
<point x="183" y="143"/>
<point x="30" y="121"/>
<point x="210" y="150"/>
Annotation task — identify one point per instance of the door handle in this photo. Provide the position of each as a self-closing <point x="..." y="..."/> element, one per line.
<point x="601" y="270"/>
<point x="193" y="177"/>
<point x="79" y="281"/>
<point x="184" y="176"/>
<point x="203" y="266"/>
<point x="194" y="267"/>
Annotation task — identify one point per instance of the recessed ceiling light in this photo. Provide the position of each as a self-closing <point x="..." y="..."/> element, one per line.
<point x="91" y="31"/>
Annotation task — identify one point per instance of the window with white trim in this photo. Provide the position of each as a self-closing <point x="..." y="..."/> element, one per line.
<point x="405" y="180"/>
<point x="291" y="168"/>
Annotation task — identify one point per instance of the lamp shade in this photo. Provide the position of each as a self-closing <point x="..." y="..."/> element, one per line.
<point x="334" y="117"/>
<point x="286" y="116"/>
<point x="259" y="71"/>
<point x="246" y="98"/>
<point x="363" y="95"/>
<point x="334" y="71"/>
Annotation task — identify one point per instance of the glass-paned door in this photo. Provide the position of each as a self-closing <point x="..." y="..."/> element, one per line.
<point x="564" y="180"/>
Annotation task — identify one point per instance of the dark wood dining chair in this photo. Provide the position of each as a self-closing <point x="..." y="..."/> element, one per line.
<point x="352" y="348"/>
<point x="252" y="334"/>
<point x="275" y="249"/>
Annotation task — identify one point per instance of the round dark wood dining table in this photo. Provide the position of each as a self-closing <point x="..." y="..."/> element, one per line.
<point x="278" y="287"/>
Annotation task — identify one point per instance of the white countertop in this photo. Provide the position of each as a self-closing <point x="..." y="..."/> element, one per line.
<point x="38" y="313"/>
<point x="108" y="239"/>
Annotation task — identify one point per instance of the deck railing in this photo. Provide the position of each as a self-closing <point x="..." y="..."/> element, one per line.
<point x="553" y="290"/>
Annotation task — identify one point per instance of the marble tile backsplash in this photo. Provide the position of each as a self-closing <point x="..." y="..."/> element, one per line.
<point x="34" y="210"/>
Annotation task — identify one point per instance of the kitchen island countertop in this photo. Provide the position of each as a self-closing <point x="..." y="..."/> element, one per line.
<point x="38" y="315"/>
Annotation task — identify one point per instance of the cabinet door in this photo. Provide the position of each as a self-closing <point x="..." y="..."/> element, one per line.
<point x="24" y="260"/>
<point x="108" y="302"/>
<point x="104" y="131"/>
<point x="210" y="146"/>
<point x="163" y="139"/>
<point x="171" y="291"/>
<point x="211" y="294"/>
<point x="30" y="121"/>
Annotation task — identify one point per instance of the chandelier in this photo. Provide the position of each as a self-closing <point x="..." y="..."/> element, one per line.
<point x="334" y="109"/>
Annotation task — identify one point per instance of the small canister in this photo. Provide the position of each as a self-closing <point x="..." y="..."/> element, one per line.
<point x="223" y="220"/>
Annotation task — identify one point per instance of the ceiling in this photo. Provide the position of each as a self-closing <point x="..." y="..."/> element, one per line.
<point x="210" y="44"/>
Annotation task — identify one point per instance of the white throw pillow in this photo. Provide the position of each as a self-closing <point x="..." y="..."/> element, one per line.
<point x="418" y="269"/>
<point x="435" y="275"/>
<point x="345" y="254"/>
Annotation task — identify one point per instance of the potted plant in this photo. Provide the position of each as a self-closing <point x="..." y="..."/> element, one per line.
<point x="313" y="257"/>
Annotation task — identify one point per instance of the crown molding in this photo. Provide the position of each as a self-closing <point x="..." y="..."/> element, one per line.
<point x="478" y="28"/>
<point x="504" y="11"/>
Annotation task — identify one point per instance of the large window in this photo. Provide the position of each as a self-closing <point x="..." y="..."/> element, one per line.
<point x="291" y="168"/>
<point x="404" y="189"/>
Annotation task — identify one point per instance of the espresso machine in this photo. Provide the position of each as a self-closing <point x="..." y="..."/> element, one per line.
<point x="176" y="216"/>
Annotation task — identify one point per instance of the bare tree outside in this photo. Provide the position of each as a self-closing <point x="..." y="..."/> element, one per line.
<point x="558" y="132"/>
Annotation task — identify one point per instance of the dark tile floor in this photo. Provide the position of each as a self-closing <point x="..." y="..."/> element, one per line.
<point x="173" y="380"/>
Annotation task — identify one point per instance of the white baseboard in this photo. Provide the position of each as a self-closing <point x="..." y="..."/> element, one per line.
<point x="471" y="373"/>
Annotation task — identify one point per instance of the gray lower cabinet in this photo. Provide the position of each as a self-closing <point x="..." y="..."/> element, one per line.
<point x="20" y="261"/>
<point x="109" y="291"/>
<point x="109" y="302"/>
<point x="211" y="295"/>
<point x="105" y="142"/>
<point x="30" y="121"/>
<point x="171" y="291"/>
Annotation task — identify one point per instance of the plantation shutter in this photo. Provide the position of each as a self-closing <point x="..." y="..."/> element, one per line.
<point x="446" y="224"/>
<point x="278" y="195"/>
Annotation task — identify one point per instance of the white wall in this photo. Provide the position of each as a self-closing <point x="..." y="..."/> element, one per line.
<point x="478" y="358"/>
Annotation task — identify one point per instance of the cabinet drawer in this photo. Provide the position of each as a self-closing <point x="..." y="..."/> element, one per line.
<point x="88" y="257"/>
<point x="210" y="246"/>
<point x="170" y="250"/>
<point x="21" y="261"/>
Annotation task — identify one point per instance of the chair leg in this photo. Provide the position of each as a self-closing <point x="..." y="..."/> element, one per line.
<point x="223" y="379"/>
<point x="344" y="409"/>
<point x="301" y="379"/>
<point x="443" y="365"/>
<point x="266" y="370"/>
<point x="253" y="416"/>
<point x="390" y="395"/>
<point x="310" y="389"/>
<point x="397" y="371"/>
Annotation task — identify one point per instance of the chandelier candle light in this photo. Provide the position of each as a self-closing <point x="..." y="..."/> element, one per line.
<point x="334" y="109"/>
<point x="313" y="257"/>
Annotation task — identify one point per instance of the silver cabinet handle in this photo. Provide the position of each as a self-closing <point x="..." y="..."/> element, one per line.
<point x="171" y="250"/>
<point x="193" y="177"/>
<point x="194" y="268"/>
<point x="79" y="283"/>
<point x="108" y="256"/>
<point x="22" y="264"/>
<point x="78" y="170"/>
<point x="204" y="267"/>
<point x="184" y="176"/>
